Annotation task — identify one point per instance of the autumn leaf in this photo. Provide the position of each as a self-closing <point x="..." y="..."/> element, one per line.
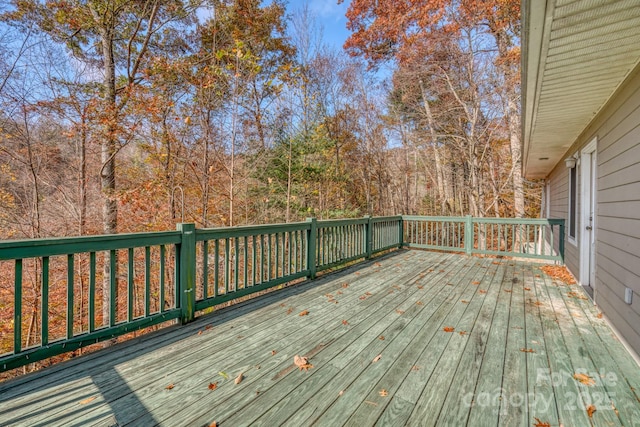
<point x="448" y="329"/>
<point x="377" y="264"/>
<point x="362" y="297"/>
<point x="420" y="286"/>
<point x="381" y="337"/>
<point x="206" y="328"/>
<point x="507" y="290"/>
<point x="345" y="285"/>
<point x="538" y="303"/>
<point x="475" y="282"/>
<point x="302" y="363"/>
<point x="483" y="291"/>
<point x="464" y="301"/>
<point x="590" y="410"/>
<point x="368" y="294"/>
<point x="527" y="350"/>
<point x="223" y="375"/>
<point x="239" y="378"/>
<point x="169" y="387"/>
<point x="199" y="332"/>
<point x="303" y="313"/>
<point x="496" y="263"/>
<point x="91" y="399"/>
<point x="213" y="386"/>
<point x="599" y="316"/>
<point x="540" y="423"/>
<point x="419" y="303"/>
<point x="584" y="379"/>
<point x="463" y="332"/>
<point x="399" y="311"/>
<point x="213" y="424"/>
<point x="273" y="352"/>
<point x="377" y="358"/>
<point x="290" y="310"/>
<point x="339" y="293"/>
<point x="344" y="322"/>
<point x="383" y="393"/>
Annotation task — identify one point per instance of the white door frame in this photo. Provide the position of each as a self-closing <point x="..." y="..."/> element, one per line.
<point x="588" y="190"/>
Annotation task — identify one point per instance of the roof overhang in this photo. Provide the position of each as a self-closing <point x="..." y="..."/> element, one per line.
<point x="575" y="54"/>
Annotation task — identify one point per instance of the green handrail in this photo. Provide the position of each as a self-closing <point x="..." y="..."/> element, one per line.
<point x="169" y="276"/>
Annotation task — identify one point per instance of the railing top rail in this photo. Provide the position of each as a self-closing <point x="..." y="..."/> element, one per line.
<point x="341" y="222"/>
<point x="18" y="249"/>
<point x="248" y="230"/>
<point x="386" y="218"/>
<point x="434" y="218"/>
<point x="536" y="221"/>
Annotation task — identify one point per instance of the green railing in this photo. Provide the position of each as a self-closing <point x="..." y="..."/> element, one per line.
<point x="116" y="284"/>
<point x="519" y="237"/>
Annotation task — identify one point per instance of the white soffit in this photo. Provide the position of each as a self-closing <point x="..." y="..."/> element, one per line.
<point x="575" y="55"/>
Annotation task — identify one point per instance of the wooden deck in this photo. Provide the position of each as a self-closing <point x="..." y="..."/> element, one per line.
<point x="375" y="334"/>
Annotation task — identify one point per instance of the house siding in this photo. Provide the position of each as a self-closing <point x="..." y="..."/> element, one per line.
<point x="617" y="129"/>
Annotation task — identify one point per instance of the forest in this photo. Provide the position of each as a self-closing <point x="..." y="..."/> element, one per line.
<point x="134" y="115"/>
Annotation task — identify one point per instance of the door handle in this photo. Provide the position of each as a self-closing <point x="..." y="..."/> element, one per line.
<point x="589" y="227"/>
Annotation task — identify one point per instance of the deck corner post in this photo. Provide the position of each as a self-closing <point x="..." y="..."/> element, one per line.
<point x="468" y="234"/>
<point x="561" y="243"/>
<point x="368" y="237"/>
<point x="186" y="262"/>
<point x="400" y="232"/>
<point x="312" y="247"/>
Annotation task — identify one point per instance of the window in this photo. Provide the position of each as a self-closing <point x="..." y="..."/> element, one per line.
<point x="573" y="191"/>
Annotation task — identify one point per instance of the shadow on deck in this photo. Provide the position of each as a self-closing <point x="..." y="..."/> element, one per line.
<point x="413" y="338"/>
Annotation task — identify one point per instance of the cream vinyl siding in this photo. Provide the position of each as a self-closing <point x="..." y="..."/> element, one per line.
<point x="617" y="128"/>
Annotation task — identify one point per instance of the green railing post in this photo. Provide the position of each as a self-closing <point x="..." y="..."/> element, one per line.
<point x="368" y="237"/>
<point x="468" y="234"/>
<point x="400" y="232"/>
<point x="187" y="277"/>
<point x="311" y="247"/>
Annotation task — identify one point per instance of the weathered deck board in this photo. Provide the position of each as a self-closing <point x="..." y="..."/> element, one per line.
<point x="524" y="337"/>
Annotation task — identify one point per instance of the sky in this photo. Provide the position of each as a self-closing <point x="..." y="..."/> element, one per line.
<point x="330" y="16"/>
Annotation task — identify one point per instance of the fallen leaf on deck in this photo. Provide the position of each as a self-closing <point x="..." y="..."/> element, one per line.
<point x="345" y="285"/>
<point x="558" y="272"/>
<point x="362" y="297"/>
<point x="496" y="263"/>
<point x="341" y="393"/>
<point x="224" y="375"/>
<point x="169" y="387"/>
<point x="199" y="332"/>
<point x="475" y="283"/>
<point x="282" y="304"/>
<point x="527" y="289"/>
<point x="464" y="301"/>
<point x="430" y="270"/>
<point x="483" y="291"/>
<point x="399" y="311"/>
<point x="448" y="329"/>
<point x="383" y="393"/>
<point x="213" y="424"/>
<point x="576" y="295"/>
<point x="540" y="423"/>
<point x="584" y="379"/>
<point x="302" y="362"/>
<point x="463" y="332"/>
<point x="357" y="274"/>
<point x="507" y="290"/>
<point x="339" y="293"/>
<point x="419" y="303"/>
<point x="368" y="294"/>
<point x="420" y="286"/>
<point x="415" y="368"/>
<point x="328" y="296"/>
<point x="213" y="386"/>
<point x="303" y="313"/>
<point x="206" y="328"/>
<point x="599" y="316"/>
<point x="239" y="378"/>
<point x="92" y="398"/>
<point x="344" y="322"/>
<point x="538" y="303"/>
<point x="449" y="284"/>
<point x="441" y="271"/>
<point x="377" y="358"/>
<point x="590" y="410"/>
<point x="290" y="310"/>
<point x="527" y="350"/>
<point x="381" y="337"/>
<point x="273" y="352"/>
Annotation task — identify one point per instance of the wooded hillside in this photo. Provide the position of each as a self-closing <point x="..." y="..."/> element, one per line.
<point x="132" y="115"/>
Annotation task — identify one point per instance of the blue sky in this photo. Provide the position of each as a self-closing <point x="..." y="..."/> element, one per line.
<point x="330" y="16"/>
